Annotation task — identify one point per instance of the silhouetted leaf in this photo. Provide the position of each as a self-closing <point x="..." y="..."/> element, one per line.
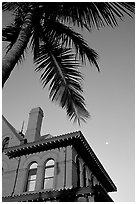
<point x="60" y="69"/>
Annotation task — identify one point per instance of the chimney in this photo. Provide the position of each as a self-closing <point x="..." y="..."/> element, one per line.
<point x="34" y="125"/>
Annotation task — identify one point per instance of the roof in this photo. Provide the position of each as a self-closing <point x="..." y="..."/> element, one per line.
<point x="78" y="141"/>
<point x="61" y="194"/>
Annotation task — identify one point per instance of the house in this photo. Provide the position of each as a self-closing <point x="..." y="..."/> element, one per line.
<point x="50" y="168"/>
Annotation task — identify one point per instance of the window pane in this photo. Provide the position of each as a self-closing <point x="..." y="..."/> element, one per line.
<point x="33" y="166"/>
<point x="50" y="162"/>
<point x="32" y="172"/>
<point x="31" y="185"/>
<point x="49" y="172"/>
<point x="48" y="183"/>
<point x="32" y="177"/>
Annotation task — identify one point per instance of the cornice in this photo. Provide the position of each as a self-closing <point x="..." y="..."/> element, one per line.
<point x="80" y="144"/>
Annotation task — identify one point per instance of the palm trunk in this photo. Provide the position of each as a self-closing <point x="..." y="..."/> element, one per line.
<point x="11" y="58"/>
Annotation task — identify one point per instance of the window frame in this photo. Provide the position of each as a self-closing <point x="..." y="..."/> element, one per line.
<point x="48" y="177"/>
<point x="28" y="180"/>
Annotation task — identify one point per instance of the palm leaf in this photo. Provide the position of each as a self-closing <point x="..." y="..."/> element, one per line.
<point x="11" y="32"/>
<point x="60" y="69"/>
<point x="94" y="14"/>
<point x="18" y="8"/>
<point x="36" y="38"/>
<point x="56" y="31"/>
<point x="52" y="43"/>
<point x="9" y="6"/>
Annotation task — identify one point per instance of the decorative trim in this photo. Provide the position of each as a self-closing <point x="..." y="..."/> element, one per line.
<point x="50" y="195"/>
<point x="77" y="140"/>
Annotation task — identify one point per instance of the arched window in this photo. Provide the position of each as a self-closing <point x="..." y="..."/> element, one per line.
<point x="32" y="174"/>
<point x="78" y="172"/>
<point x="49" y="174"/>
<point x="5" y="143"/>
<point x="84" y="176"/>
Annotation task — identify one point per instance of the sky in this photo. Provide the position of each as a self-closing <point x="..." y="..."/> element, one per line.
<point x="109" y="98"/>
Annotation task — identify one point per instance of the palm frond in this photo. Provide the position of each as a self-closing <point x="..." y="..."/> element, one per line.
<point x="34" y="44"/>
<point x="130" y="6"/>
<point x="19" y="8"/>
<point x="60" y="69"/>
<point x="37" y="31"/>
<point x="36" y="39"/>
<point x="56" y="31"/>
<point x="94" y="14"/>
<point x="52" y="42"/>
<point x="9" y="6"/>
<point x="11" y="32"/>
<point x="123" y="8"/>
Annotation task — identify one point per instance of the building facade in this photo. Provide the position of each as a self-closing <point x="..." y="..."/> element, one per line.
<point x="50" y="168"/>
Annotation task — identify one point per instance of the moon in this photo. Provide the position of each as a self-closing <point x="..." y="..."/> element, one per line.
<point x="106" y="143"/>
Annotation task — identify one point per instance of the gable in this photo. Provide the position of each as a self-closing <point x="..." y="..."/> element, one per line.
<point x="8" y="131"/>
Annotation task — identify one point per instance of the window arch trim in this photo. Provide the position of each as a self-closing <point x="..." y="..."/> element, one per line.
<point x="47" y="160"/>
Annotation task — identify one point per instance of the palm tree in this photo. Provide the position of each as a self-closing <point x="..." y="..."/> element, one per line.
<point x="58" y="50"/>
